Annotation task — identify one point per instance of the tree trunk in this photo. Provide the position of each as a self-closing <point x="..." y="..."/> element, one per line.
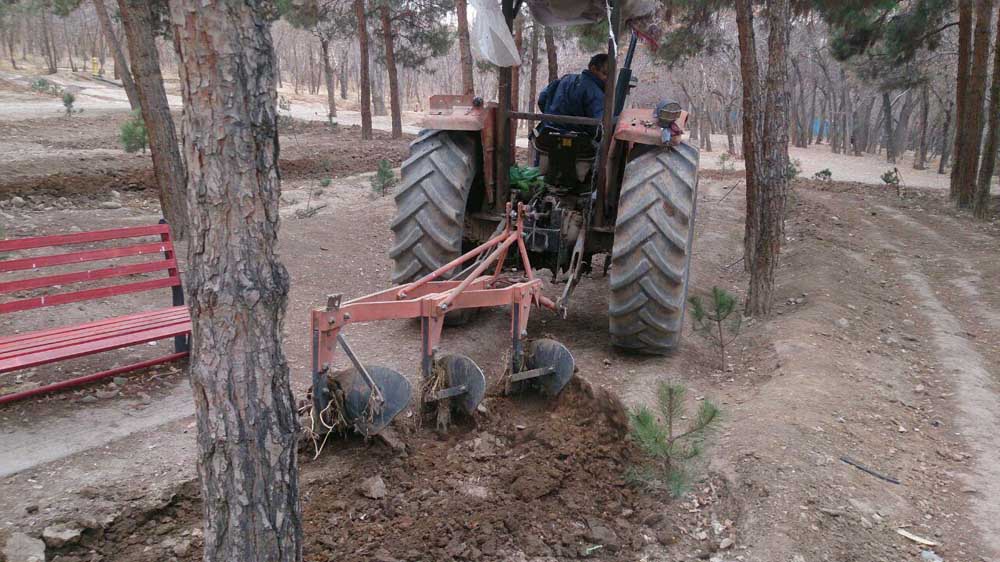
<point x="946" y="136"/>
<point x="331" y="90"/>
<point x="551" y="54"/>
<point x="464" y="48"/>
<point x="920" y="158"/>
<point x="121" y="65"/>
<point x="961" y="91"/>
<point x="343" y="78"/>
<point x="752" y="126"/>
<point x="246" y="416"/>
<point x="972" y="128"/>
<point x="900" y="135"/>
<point x="981" y="202"/>
<point x="10" y="48"/>
<point x="69" y="45"/>
<point x="533" y="79"/>
<point x="378" y="87"/>
<point x="890" y="150"/>
<point x="515" y="100"/>
<point x="168" y="165"/>
<point x="48" y="44"/>
<point x="366" y="93"/>
<point x="772" y="192"/>
<point x="390" y="65"/>
<point x="821" y="131"/>
<point x="812" y="117"/>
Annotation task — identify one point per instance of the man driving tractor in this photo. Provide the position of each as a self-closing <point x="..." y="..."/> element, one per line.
<point x="578" y="95"/>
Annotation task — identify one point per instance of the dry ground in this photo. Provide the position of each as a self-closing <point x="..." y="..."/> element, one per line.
<point x="882" y="350"/>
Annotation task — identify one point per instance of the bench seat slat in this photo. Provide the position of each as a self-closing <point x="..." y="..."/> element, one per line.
<point x="89" y="275"/>
<point x="12" y="339"/>
<point x="82" y="237"/>
<point x="33" y="341"/>
<point x="88" y="294"/>
<point x="85" y="256"/>
<point x="87" y="348"/>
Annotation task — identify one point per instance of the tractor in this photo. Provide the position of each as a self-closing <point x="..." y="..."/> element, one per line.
<point x="628" y="195"/>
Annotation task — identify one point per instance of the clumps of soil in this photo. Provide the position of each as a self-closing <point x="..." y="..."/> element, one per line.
<point x="529" y="478"/>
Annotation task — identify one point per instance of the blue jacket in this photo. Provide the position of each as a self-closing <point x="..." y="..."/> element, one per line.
<point x="579" y="95"/>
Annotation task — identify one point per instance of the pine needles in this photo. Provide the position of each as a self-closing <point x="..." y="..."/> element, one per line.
<point x="712" y="320"/>
<point x="668" y="446"/>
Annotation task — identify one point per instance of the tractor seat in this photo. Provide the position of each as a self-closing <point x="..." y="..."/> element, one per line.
<point x="565" y="158"/>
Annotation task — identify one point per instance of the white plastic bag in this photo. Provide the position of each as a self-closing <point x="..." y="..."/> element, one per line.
<point x="491" y="40"/>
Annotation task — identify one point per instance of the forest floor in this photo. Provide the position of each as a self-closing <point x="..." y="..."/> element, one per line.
<point x="882" y="350"/>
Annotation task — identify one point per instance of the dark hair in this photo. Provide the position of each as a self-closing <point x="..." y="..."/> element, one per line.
<point x="599" y="61"/>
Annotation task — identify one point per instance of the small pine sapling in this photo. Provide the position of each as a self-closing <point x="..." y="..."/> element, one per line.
<point x="794" y="169"/>
<point x="68" y="100"/>
<point x="384" y="178"/>
<point x="133" y="135"/>
<point x="824" y="175"/>
<point x="668" y="446"/>
<point x="712" y="320"/>
<point x="726" y="163"/>
<point x="325" y="182"/>
<point x="892" y="179"/>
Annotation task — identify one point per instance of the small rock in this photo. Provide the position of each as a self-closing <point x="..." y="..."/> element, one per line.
<point x="930" y="556"/>
<point x="88" y="399"/>
<point x="145" y="398"/>
<point x="56" y="536"/>
<point x="111" y="205"/>
<point x="918" y="389"/>
<point x="485" y="446"/>
<point x="18" y="201"/>
<point x="601" y="534"/>
<point x="106" y="394"/>
<point x="726" y="543"/>
<point x="115" y="195"/>
<point x="373" y="488"/>
<point x="120" y="381"/>
<point x="843" y="323"/>
<point x="22" y="548"/>
<point x="31" y="509"/>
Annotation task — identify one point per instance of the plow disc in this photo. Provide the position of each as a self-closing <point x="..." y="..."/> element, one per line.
<point x="365" y="411"/>
<point x="548" y="366"/>
<point x="463" y="383"/>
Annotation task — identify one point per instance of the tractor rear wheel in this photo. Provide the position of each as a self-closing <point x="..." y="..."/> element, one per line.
<point x="430" y="207"/>
<point x="652" y="249"/>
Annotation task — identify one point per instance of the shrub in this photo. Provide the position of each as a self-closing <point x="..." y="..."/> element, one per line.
<point x="794" y="169"/>
<point x="893" y="179"/>
<point x="43" y="86"/>
<point x="68" y="100"/>
<point x="666" y="444"/>
<point x="133" y="135"/>
<point x="713" y="321"/>
<point x="726" y="163"/>
<point x="526" y="179"/>
<point x="384" y="178"/>
<point x="824" y="175"/>
<point x="325" y="182"/>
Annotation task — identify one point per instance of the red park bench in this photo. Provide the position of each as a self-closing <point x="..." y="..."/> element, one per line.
<point x="27" y="279"/>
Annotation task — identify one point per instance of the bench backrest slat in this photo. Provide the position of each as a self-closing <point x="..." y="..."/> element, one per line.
<point x="80" y="257"/>
<point x="82" y="237"/>
<point x="161" y="252"/>
<point x="88" y="294"/>
<point x="89" y="275"/>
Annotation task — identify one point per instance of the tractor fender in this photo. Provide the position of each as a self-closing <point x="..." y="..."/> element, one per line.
<point x="457" y="113"/>
<point x="638" y="126"/>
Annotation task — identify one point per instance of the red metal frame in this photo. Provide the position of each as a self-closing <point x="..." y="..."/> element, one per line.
<point x="21" y="351"/>
<point x="430" y="299"/>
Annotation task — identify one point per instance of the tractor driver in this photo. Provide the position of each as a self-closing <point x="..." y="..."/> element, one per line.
<point x="579" y="95"/>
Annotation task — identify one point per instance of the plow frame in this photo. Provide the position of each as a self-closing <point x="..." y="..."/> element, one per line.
<point x="430" y="298"/>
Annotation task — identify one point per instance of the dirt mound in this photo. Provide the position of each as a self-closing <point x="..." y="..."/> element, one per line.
<point x="530" y="478"/>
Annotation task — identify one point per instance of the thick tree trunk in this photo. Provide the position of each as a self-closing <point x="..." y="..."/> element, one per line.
<point x="331" y="89"/>
<point x="390" y="65"/>
<point x="464" y="47"/>
<point x="972" y="127"/>
<point x="981" y="202"/>
<point x="49" y="44"/>
<point x="920" y="158"/>
<point x="551" y="54"/>
<point x="121" y="65"/>
<point x="961" y="91"/>
<point x="168" y="164"/>
<point x="378" y="87"/>
<point x="773" y="190"/>
<point x="900" y="135"/>
<point x="247" y="424"/>
<point x="752" y="127"/>
<point x="366" y="93"/>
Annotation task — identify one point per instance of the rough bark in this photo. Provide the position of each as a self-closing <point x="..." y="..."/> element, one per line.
<point x="533" y="79"/>
<point x="920" y="158"/>
<point x="49" y="44"/>
<point x="900" y="135"/>
<point x="961" y="91"/>
<point x="551" y="54"/>
<point x="331" y="90"/>
<point x="464" y="47"/>
<point x="343" y="78"/>
<point x="390" y="65"/>
<point x="773" y="190"/>
<point x="121" y="65"/>
<point x="366" y="93"/>
<point x="981" y="202"/>
<point x="246" y="418"/>
<point x="168" y="165"/>
<point x="752" y="125"/>
<point x="972" y="126"/>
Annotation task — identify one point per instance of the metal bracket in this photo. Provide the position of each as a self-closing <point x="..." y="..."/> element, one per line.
<point x="446" y="393"/>
<point x="532" y="374"/>
<point x="333" y="302"/>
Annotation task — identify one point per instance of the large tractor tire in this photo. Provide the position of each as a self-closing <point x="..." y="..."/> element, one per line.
<point x="652" y="249"/>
